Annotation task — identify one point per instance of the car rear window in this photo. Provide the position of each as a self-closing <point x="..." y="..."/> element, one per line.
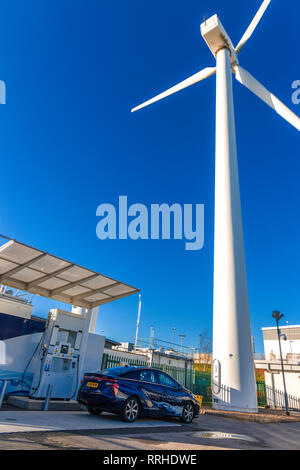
<point x="146" y="375"/>
<point x="133" y="374"/>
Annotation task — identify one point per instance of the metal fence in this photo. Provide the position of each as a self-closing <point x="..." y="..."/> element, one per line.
<point x="199" y="382"/>
<point x="114" y="361"/>
<point x="275" y="399"/>
<point x="261" y="393"/>
<point x="196" y="381"/>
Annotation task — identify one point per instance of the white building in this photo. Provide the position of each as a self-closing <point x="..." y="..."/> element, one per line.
<point x="155" y="357"/>
<point x="290" y="347"/>
<point x="116" y="353"/>
<point x="290" y="343"/>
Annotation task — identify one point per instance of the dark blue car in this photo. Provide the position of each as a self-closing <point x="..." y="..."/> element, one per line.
<point x="137" y="391"/>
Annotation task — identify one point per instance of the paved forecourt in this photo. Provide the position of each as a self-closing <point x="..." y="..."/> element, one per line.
<point x="33" y="421"/>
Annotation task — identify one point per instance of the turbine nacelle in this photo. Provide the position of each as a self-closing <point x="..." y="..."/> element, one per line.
<point x="216" y="37"/>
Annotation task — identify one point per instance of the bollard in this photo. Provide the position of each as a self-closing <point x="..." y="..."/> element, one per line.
<point x="48" y="396"/>
<point x="2" y="393"/>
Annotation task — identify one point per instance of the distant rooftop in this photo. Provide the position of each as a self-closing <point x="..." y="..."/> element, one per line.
<point x="9" y="294"/>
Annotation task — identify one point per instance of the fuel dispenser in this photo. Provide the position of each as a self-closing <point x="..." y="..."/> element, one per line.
<point x="61" y="349"/>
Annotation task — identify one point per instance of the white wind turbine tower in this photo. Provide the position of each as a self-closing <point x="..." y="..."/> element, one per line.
<point x="233" y="370"/>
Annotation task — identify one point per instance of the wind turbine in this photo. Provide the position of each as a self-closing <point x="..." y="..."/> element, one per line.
<point x="233" y="376"/>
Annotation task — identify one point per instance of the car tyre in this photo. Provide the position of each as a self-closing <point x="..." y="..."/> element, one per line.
<point x="94" y="411"/>
<point x="131" y="410"/>
<point x="188" y="413"/>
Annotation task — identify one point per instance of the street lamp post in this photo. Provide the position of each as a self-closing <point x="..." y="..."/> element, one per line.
<point x="200" y="339"/>
<point x="277" y="315"/>
<point x="174" y="329"/>
<point x="138" y="322"/>
<point x="181" y="337"/>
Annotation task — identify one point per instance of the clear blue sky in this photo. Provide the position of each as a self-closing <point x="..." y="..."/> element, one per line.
<point x="73" y="71"/>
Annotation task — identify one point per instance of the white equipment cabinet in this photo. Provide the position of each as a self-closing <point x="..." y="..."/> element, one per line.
<point x="62" y="354"/>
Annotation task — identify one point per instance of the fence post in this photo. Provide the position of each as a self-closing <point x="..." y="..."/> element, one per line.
<point x="104" y="361"/>
<point x="2" y="393"/>
<point x="48" y="396"/>
<point x="273" y="390"/>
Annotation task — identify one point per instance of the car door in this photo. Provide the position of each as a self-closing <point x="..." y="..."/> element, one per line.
<point x="152" y="391"/>
<point x="172" y="394"/>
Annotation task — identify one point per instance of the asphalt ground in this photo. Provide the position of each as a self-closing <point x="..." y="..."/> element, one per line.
<point x="107" y="432"/>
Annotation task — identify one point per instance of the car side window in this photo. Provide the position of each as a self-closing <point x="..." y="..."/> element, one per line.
<point x="147" y="375"/>
<point x="133" y="374"/>
<point x="164" y="379"/>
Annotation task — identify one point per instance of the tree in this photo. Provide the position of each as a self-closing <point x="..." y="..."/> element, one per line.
<point x="205" y="347"/>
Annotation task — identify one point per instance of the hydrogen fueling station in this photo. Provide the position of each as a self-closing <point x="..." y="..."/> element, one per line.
<point x="41" y="357"/>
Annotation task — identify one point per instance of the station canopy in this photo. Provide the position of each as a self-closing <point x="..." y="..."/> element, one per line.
<point x="29" y="269"/>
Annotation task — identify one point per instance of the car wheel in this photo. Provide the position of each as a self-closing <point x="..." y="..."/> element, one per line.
<point x="94" y="411"/>
<point x="131" y="410"/>
<point x="187" y="413"/>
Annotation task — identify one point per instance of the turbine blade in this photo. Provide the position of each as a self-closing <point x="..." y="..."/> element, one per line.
<point x="246" y="79"/>
<point x="197" y="77"/>
<point x="252" y="25"/>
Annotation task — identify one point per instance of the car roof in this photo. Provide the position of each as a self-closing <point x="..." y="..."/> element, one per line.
<point x="121" y="370"/>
